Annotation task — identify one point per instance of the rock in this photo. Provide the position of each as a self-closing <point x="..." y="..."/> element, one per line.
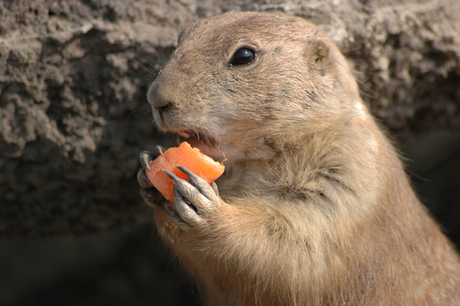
<point x="73" y="78"/>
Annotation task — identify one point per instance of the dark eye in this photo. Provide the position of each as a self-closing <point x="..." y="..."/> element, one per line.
<point x="242" y="57"/>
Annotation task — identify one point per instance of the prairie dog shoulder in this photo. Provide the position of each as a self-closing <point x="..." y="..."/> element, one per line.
<point x="314" y="207"/>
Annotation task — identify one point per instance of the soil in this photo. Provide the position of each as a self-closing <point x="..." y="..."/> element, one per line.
<point x="73" y="78"/>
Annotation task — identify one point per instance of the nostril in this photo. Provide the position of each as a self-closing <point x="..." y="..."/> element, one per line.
<point x="161" y="107"/>
<point x="158" y="97"/>
<point x="160" y="103"/>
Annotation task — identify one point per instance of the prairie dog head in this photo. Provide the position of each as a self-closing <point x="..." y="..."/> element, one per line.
<point x="239" y="83"/>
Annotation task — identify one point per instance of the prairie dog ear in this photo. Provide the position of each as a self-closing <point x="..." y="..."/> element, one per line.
<point x="318" y="54"/>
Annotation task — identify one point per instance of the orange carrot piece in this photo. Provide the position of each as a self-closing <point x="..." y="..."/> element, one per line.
<point x="188" y="157"/>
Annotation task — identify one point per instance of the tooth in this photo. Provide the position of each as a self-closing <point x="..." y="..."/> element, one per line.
<point x="185" y="135"/>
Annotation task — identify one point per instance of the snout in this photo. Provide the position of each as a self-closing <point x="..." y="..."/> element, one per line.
<point x="157" y="97"/>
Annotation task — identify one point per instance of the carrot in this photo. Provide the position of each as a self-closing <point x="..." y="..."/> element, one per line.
<point x="188" y="157"/>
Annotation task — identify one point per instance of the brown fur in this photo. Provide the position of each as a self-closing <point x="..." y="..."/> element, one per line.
<point x="316" y="208"/>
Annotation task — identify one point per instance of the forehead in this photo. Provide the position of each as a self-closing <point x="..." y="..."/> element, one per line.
<point x="228" y="29"/>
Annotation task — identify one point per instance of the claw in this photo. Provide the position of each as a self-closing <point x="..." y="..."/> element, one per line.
<point x="150" y="196"/>
<point x="158" y="150"/>
<point x="194" y="200"/>
<point x="189" y="173"/>
<point x="143" y="179"/>
<point x="183" y="187"/>
<point x="146" y="158"/>
<point x="176" y="217"/>
<point x="174" y="178"/>
<point x="200" y="183"/>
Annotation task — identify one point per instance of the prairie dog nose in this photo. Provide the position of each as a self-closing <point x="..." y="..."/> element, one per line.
<point x="157" y="99"/>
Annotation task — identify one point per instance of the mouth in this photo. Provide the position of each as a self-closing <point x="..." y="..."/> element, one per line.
<point x="196" y="138"/>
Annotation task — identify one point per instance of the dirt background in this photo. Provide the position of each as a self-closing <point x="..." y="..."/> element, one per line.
<point x="73" y="119"/>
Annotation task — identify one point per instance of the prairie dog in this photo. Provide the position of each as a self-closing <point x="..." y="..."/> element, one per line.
<point x="314" y="207"/>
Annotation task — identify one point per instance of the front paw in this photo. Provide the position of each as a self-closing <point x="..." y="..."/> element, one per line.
<point x="149" y="194"/>
<point x="194" y="200"/>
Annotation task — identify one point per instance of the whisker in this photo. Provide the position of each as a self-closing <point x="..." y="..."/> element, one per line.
<point x="138" y="109"/>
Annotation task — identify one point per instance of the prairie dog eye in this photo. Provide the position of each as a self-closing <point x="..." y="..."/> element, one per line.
<point x="242" y="56"/>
